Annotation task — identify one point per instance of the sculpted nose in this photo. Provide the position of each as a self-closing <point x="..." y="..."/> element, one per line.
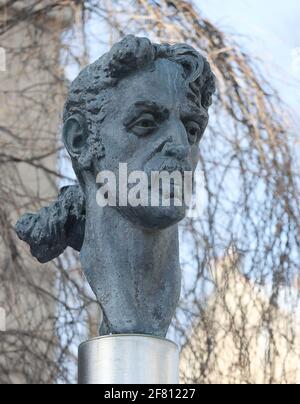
<point x="179" y="152"/>
<point x="177" y="145"/>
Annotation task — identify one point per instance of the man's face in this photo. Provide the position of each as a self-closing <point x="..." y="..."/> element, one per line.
<point x="152" y="125"/>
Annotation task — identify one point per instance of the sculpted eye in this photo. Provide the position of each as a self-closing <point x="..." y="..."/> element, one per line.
<point x="194" y="132"/>
<point x="144" y="125"/>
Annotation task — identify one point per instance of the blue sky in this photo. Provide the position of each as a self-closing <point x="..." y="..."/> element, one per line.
<point x="270" y="30"/>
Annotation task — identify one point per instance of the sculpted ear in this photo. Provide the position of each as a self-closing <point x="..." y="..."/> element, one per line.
<point x="75" y="135"/>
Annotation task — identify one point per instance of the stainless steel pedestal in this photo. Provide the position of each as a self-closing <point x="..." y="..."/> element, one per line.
<point x="128" y="359"/>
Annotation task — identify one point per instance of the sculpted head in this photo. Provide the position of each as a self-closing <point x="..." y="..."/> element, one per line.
<point x="142" y="104"/>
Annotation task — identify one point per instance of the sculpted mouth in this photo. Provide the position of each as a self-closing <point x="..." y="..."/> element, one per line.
<point x="158" y="161"/>
<point x="165" y="164"/>
<point x="172" y="166"/>
<point x="162" y="164"/>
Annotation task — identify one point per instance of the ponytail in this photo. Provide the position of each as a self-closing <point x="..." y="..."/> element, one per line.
<point x="50" y="231"/>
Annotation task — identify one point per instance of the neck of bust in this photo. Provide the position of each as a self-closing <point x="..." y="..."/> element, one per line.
<point x="134" y="273"/>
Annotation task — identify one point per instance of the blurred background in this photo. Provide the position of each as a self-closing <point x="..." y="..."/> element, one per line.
<point x="239" y="315"/>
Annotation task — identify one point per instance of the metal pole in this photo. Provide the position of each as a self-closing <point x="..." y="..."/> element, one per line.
<point x="128" y="359"/>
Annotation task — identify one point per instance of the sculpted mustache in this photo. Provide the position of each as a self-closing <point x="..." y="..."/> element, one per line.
<point x="156" y="162"/>
<point x="169" y="165"/>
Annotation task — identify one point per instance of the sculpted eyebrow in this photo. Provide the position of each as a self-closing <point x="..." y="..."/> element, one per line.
<point x="160" y="112"/>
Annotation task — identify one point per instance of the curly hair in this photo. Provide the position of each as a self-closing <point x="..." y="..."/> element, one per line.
<point x="128" y="56"/>
<point x="54" y="228"/>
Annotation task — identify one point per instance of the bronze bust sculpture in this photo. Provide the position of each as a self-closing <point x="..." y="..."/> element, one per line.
<point x="145" y="105"/>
